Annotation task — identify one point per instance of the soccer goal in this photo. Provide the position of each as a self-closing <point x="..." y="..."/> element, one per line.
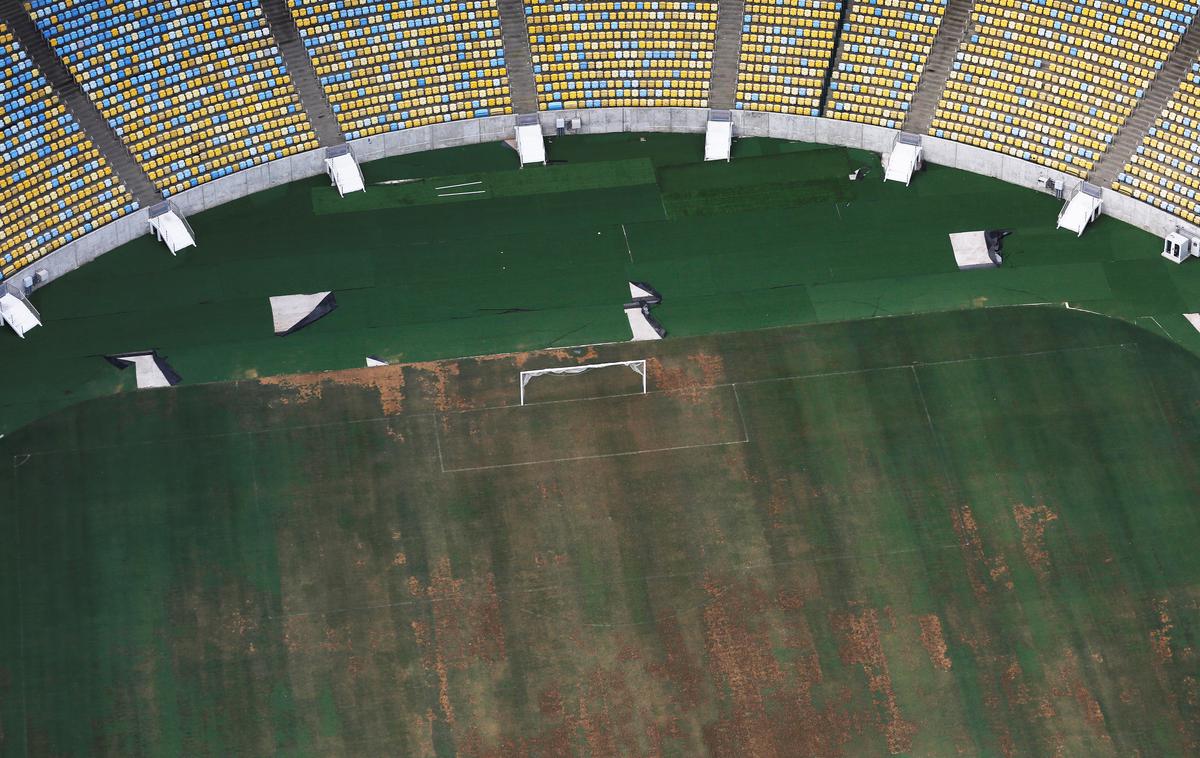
<point x="638" y="366"/>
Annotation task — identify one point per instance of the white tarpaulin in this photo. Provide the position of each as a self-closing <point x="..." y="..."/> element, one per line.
<point x="906" y="154"/>
<point x="971" y="250"/>
<point x="718" y="136"/>
<point x="147" y="372"/>
<point x="343" y="170"/>
<point x="171" y="227"/>
<point x="1193" y="319"/>
<point x="644" y="292"/>
<point x="1082" y="209"/>
<point x="150" y="369"/>
<point x="642" y="324"/>
<point x="374" y="361"/>
<point x="530" y="146"/>
<point x="291" y="313"/>
<point x="18" y="313"/>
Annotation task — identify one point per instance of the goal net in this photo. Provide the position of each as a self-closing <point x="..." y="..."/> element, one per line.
<point x="638" y="366"/>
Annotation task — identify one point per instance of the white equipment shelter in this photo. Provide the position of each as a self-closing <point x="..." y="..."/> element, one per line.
<point x="904" y="159"/>
<point x="170" y="227"/>
<point x="1181" y="244"/>
<point x="638" y="366"/>
<point x="18" y="312"/>
<point x="343" y="170"/>
<point x="1081" y="209"/>
<point x="531" y="148"/>
<point x="718" y="136"/>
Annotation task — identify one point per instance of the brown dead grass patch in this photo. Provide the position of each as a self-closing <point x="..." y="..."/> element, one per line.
<point x="1160" y="636"/>
<point x="859" y="643"/>
<point x="387" y="381"/>
<point x="1068" y="682"/>
<point x="688" y="380"/>
<point x="975" y="557"/>
<point x="435" y="378"/>
<point x="742" y="658"/>
<point x="933" y="641"/>
<point x="1032" y="523"/>
<point x="466" y="627"/>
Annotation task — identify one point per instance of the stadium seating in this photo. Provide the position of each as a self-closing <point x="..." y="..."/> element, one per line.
<point x="787" y="49"/>
<point x="54" y="184"/>
<point x="1051" y="81"/>
<point x="884" y="45"/>
<point x="1165" y="170"/>
<point x="395" y="65"/>
<point x="604" y="54"/>
<point x="196" y="90"/>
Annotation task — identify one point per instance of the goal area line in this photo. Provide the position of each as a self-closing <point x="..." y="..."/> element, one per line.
<point x="596" y="428"/>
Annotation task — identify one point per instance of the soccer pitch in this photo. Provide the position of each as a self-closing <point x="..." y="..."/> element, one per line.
<point x="965" y="533"/>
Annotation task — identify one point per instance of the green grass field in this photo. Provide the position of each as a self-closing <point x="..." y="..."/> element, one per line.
<point x="777" y="237"/>
<point x="967" y="533"/>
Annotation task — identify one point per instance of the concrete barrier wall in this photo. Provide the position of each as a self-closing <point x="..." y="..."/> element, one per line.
<point x="592" y="121"/>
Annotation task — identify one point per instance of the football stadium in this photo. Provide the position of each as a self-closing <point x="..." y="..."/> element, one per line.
<point x="634" y="378"/>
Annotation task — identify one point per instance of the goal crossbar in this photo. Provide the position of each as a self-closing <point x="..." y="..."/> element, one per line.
<point x="638" y="366"/>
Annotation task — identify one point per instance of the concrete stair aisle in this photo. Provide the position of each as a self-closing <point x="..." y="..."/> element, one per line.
<point x="722" y="87"/>
<point x="517" y="57"/>
<point x="956" y="25"/>
<point x="837" y="55"/>
<point x="128" y="170"/>
<point x="304" y="76"/>
<point x="1148" y="109"/>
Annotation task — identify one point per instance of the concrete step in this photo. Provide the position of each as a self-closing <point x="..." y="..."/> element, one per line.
<point x="956" y="25"/>
<point x="1147" y="110"/>
<point x="303" y="75"/>
<point x="128" y="170"/>
<point x="722" y="86"/>
<point x="837" y="55"/>
<point x="517" y="57"/>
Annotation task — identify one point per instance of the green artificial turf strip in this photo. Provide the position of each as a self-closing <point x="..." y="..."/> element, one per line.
<point x="260" y="568"/>
<point x="535" y="270"/>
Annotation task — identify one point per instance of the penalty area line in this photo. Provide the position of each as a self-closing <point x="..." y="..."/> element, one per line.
<point x="588" y="457"/>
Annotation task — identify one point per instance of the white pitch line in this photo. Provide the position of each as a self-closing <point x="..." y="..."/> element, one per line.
<point x="437" y="438"/>
<point x="593" y="457"/>
<point x="626" y="234"/>
<point x="418" y="414"/>
<point x="741" y="415"/>
<point x="464" y="184"/>
<point x="1160" y="326"/>
<point x="456" y="194"/>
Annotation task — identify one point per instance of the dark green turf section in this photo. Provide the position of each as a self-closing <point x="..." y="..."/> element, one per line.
<point x="967" y="533"/>
<point x="777" y="236"/>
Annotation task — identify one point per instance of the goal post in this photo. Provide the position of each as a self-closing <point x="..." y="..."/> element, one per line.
<point x="638" y="366"/>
